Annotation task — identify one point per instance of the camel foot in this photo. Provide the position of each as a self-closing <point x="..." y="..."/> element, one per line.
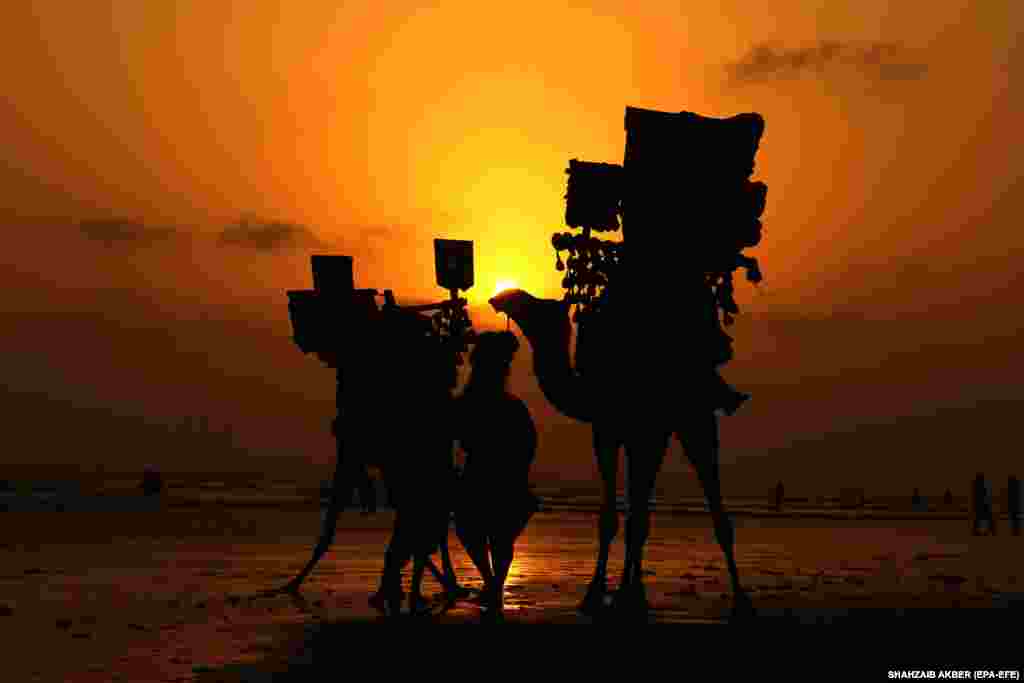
<point x="419" y="606"/>
<point x="387" y="603"/>
<point x="594" y="602"/>
<point x="480" y="597"/>
<point x="492" y="615"/>
<point x="456" y="592"/>
<point x="631" y="601"/>
<point x="422" y="609"/>
<point x="742" y="608"/>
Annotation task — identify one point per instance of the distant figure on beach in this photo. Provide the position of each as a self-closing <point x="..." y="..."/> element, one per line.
<point x="1013" y="503"/>
<point x="498" y="436"/>
<point x="984" y="519"/>
<point x="918" y="502"/>
<point x="780" y="494"/>
<point x="152" y="481"/>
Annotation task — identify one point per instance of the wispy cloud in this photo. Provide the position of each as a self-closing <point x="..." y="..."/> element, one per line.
<point x="874" y="61"/>
<point x="113" y="231"/>
<point x="269" y="236"/>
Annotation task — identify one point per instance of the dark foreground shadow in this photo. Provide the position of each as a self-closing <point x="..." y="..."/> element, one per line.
<point x="914" y="618"/>
<point x="311" y="651"/>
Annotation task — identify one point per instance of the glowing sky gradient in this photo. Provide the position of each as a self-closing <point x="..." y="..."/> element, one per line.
<point x="894" y="185"/>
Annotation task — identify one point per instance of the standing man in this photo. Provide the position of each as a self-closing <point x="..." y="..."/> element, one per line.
<point x="984" y="519"/>
<point x="152" y="481"/>
<point x="1013" y="504"/>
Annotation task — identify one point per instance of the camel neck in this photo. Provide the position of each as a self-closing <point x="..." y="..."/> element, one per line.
<point x="559" y="382"/>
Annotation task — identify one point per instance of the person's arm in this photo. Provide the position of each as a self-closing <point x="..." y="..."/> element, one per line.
<point x="529" y="442"/>
<point x="528" y="427"/>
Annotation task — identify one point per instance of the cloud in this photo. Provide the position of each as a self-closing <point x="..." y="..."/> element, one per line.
<point x="874" y="61"/>
<point x="111" y="231"/>
<point x="269" y="236"/>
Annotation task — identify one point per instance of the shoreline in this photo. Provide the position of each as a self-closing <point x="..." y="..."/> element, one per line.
<point x="112" y="502"/>
<point x="164" y="595"/>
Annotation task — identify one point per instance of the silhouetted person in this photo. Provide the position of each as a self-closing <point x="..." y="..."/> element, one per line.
<point x="984" y="519"/>
<point x="497" y="434"/>
<point x="916" y="502"/>
<point x="1013" y="503"/>
<point x="947" y="499"/>
<point x="152" y="481"/>
<point x="780" y="493"/>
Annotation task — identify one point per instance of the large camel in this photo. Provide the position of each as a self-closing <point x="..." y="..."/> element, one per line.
<point x="625" y="407"/>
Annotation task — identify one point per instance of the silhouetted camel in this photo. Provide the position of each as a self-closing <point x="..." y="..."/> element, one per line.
<point x="639" y="412"/>
<point x="394" y="415"/>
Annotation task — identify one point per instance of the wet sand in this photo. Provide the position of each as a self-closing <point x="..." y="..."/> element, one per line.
<point x="162" y="596"/>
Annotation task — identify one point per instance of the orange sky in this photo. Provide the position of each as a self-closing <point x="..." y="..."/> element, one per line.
<point x="893" y="186"/>
<point x="459" y="119"/>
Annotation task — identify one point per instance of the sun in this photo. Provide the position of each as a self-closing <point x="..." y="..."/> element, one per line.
<point x="503" y="285"/>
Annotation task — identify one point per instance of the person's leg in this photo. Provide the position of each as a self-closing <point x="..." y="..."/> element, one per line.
<point x="449" y="580"/>
<point x="417" y="603"/>
<point x="473" y="539"/>
<point x="502" y="550"/>
<point x="427" y="538"/>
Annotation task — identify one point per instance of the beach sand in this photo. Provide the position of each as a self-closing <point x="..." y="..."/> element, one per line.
<point x="161" y="596"/>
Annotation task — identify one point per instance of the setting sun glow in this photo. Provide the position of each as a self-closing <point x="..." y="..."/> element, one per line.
<point x="503" y="285"/>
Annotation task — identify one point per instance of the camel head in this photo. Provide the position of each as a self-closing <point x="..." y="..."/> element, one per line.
<point x="545" y="324"/>
<point x="545" y="320"/>
<point x="515" y="303"/>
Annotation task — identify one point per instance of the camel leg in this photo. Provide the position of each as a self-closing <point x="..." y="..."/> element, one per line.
<point x="388" y="597"/>
<point x="451" y="584"/>
<point x="700" y="443"/>
<point x="446" y="575"/>
<point x="644" y="456"/>
<point x="606" y="448"/>
<point x="417" y="603"/>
